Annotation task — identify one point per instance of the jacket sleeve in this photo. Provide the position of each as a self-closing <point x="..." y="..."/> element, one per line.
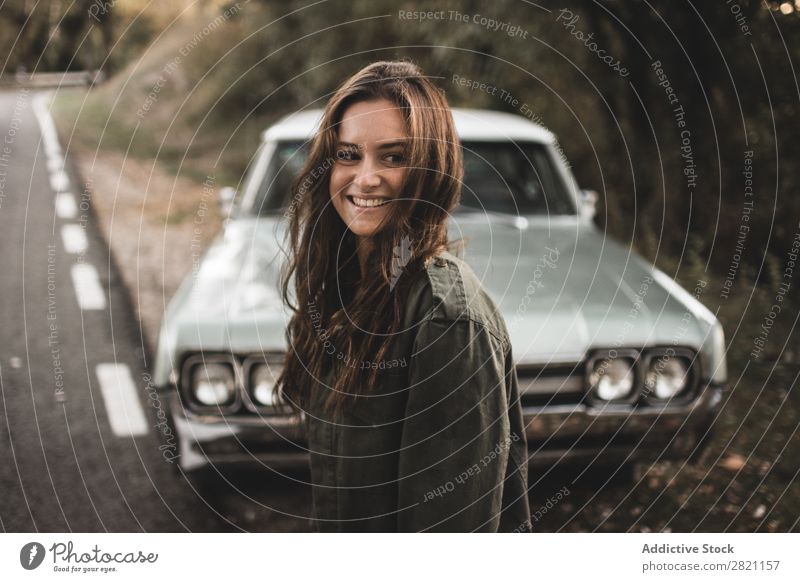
<point x="456" y="437"/>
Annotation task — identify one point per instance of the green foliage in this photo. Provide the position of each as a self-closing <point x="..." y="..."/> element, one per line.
<point x="621" y="134"/>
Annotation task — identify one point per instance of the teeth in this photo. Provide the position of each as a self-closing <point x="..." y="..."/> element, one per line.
<point x="368" y="203"/>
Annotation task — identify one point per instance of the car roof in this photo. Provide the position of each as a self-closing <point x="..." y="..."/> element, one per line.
<point x="471" y="124"/>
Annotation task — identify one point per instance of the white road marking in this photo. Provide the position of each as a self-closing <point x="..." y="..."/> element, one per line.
<point x="125" y="413"/>
<point x="46" y="125"/>
<point x="74" y="238"/>
<point x="65" y="205"/>
<point x="55" y="164"/>
<point x="59" y="181"/>
<point x="53" y="150"/>
<point x="87" y="287"/>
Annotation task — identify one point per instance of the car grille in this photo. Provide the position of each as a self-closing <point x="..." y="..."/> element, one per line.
<point x="549" y="385"/>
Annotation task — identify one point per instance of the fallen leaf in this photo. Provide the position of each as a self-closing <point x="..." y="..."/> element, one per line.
<point x="733" y="462"/>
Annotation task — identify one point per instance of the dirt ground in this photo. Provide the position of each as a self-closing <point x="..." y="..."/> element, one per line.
<point x="156" y="225"/>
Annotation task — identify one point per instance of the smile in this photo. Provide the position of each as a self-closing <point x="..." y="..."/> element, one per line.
<point x="367" y="203"/>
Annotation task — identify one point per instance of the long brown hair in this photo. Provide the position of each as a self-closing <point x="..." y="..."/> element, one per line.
<point x="335" y="310"/>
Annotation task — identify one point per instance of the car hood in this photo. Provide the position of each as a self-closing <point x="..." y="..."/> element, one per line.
<point x="563" y="287"/>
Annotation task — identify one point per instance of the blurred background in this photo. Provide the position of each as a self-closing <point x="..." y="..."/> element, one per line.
<point x="240" y="70"/>
<point x="180" y="91"/>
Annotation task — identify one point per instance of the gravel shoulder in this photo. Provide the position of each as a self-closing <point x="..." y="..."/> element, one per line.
<point x="156" y="225"/>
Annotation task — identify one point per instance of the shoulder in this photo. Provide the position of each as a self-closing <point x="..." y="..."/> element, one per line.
<point x="448" y="291"/>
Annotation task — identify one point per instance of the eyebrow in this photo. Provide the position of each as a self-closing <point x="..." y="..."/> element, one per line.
<point x="382" y="146"/>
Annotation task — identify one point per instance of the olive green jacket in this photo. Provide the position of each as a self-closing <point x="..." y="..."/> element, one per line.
<point x="440" y="445"/>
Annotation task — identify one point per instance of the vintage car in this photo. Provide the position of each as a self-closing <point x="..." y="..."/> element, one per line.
<point x="617" y="364"/>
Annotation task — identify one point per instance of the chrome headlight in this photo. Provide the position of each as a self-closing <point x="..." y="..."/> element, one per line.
<point x="667" y="375"/>
<point x="612" y="378"/>
<point x="213" y="383"/>
<point x="261" y="373"/>
<point x="262" y="382"/>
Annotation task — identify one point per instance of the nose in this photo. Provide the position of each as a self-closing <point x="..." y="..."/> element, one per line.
<point x="367" y="177"/>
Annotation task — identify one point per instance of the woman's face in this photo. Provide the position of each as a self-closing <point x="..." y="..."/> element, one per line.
<point x="370" y="164"/>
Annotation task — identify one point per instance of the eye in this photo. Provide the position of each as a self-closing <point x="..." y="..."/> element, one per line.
<point x="396" y="158"/>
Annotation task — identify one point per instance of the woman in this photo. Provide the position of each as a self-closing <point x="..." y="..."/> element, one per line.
<point x="397" y="356"/>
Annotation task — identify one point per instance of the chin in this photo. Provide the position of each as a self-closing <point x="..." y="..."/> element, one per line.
<point x="364" y="228"/>
<point x="366" y="232"/>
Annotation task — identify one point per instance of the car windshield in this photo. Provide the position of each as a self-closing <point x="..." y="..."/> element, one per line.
<point x="500" y="177"/>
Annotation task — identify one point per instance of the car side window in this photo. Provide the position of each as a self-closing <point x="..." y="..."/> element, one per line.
<point x="284" y="165"/>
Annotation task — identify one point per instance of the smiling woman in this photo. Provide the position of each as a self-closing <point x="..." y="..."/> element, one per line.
<point x="397" y="356"/>
<point x="370" y="168"/>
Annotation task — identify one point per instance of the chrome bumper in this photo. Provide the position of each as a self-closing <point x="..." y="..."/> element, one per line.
<point x="617" y="434"/>
<point x="555" y="434"/>
<point x="206" y="439"/>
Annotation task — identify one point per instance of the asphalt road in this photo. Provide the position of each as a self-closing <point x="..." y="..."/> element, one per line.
<point x="78" y="451"/>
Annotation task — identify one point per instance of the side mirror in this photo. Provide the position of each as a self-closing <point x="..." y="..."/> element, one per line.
<point x="225" y="198"/>
<point x="588" y="207"/>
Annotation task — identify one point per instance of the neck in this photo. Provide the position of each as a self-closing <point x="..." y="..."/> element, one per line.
<point x="364" y="247"/>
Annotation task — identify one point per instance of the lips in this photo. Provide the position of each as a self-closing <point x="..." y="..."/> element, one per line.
<point x="368" y="202"/>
